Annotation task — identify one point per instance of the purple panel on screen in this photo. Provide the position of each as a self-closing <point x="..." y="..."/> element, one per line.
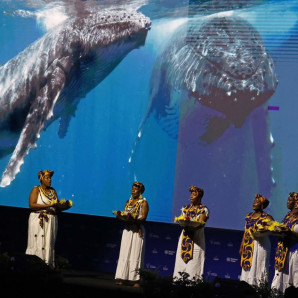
<point x="274" y="108"/>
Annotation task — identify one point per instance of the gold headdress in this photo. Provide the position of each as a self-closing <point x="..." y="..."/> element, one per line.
<point x="41" y="174"/>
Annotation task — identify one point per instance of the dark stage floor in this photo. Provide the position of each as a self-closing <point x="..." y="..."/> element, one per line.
<point x="85" y="284"/>
<point x="81" y="282"/>
<point x="70" y="283"/>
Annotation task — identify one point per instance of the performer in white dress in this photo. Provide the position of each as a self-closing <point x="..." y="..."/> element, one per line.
<point x="43" y="222"/>
<point x="255" y="250"/>
<point x="131" y="256"/>
<point x="286" y="257"/>
<point x="190" y="254"/>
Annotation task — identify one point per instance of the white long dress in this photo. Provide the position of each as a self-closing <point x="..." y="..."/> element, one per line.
<point x="289" y="274"/>
<point x="260" y="262"/>
<point x="195" y="266"/>
<point x="41" y="240"/>
<point x="132" y="252"/>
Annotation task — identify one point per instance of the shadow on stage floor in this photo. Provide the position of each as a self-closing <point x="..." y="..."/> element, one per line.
<point x="83" y="282"/>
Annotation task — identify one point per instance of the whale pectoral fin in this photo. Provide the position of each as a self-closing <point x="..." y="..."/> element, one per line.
<point x="170" y="121"/>
<point x="65" y="118"/>
<point x="63" y="125"/>
<point x="40" y="111"/>
<point x="164" y="104"/>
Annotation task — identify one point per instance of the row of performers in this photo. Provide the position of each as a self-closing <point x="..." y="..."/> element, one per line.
<point x="190" y="255"/>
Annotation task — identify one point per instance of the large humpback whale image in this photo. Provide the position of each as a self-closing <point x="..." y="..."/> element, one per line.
<point x="46" y="80"/>
<point x="220" y="61"/>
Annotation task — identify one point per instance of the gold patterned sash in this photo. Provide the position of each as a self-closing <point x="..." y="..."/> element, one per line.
<point x="187" y="243"/>
<point x="248" y="241"/>
<point x="283" y="244"/>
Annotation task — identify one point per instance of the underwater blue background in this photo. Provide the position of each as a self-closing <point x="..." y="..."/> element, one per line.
<point x="101" y="155"/>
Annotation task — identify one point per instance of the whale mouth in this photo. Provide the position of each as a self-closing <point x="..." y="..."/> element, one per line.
<point x="148" y="25"/>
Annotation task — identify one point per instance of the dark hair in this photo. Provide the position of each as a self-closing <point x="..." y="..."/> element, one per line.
<point x="139" y="185"/>
<point x="198" y="189"/>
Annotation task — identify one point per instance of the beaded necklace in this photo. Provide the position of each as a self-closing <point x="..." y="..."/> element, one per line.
<point x="133" y="206"/>
<point x="51" y="195"/>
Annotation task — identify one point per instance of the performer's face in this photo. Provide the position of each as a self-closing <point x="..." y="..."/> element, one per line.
<point x="296" y="206"/>
<point x="46" y="181"/>
<point x="257" y="204"/>
<point x="194" y="197"/>
<point x="135" y="191"/>
<point x="290" y="203"/>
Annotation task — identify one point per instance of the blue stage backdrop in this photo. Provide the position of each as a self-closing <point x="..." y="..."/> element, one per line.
<point x="169" y="93"/>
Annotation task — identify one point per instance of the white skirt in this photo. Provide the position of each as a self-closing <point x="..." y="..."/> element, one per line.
<point x="131" y="256"/>
<point x="41" y="241"/>
<point x="289" y="275"/>
<point x="258" y="271"/>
